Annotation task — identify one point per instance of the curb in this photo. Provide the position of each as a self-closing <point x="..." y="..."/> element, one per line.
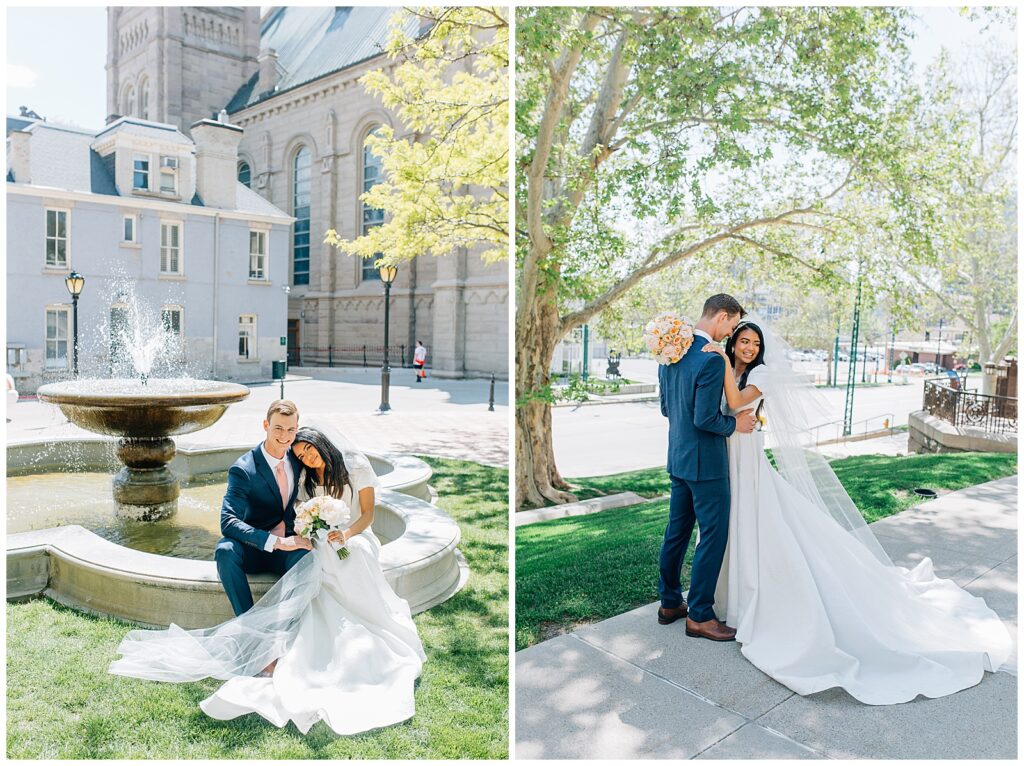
<point x="582" y="508"/>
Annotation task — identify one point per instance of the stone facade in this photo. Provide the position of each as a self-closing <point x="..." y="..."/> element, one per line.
<point x="458" y="306"/>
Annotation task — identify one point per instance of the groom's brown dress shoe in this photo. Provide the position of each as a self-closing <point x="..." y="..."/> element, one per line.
<point x="668" y="616"/>
<point x="710" y="629"/>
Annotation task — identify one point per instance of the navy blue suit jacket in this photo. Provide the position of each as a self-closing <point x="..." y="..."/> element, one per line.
<point x="252" y="503"/>
<point x="691" y="399"/>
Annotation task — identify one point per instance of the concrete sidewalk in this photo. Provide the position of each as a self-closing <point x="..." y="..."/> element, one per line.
<point x="445" y="418"/>
<point x="630" y="688"/>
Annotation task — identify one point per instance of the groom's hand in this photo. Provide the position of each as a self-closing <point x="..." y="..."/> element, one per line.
<point x="293" y="543"/>
<point x="745" y="421"/>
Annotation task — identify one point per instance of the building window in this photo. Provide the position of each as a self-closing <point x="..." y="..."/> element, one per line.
<point x="128" y="105"/>
<point x="57" y="239"/>
<point x="373" y="174"/>
<point x="170" y="248"/>
<point x="170" y="318"/>
<point x="57" y="322"/>
<point x="257" y="255"/>
<point x="245" y="174"/>
<point x="169" y="175"/>
<point x="301" y="184"/>
<point x="144" y="99"/>
<point x="140" y="176"/>
<point x="129" y="233"/>
<point x="247" y="336"/>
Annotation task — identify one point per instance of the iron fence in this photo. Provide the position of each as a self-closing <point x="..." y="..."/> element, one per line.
<point x="349" y="356"/>
<point x="963" y="408"/>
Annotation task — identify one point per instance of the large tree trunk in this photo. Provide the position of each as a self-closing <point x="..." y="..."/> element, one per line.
<point x="538" y="482"/>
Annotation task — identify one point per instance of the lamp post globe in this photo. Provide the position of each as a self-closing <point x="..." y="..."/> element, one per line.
<point x="388" y="273"/>
<point x="75" y="282"/>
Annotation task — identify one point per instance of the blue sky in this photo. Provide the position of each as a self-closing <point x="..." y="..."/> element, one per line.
<point x="56" y="57"/>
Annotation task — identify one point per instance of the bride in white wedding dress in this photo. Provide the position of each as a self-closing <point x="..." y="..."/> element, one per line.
<point x="815" y="600"/>
<point x="335" y="641"/>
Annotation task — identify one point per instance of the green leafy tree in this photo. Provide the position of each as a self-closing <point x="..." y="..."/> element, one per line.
<point x="972" y="106"/>
<point x="712" y="131"/>
<point x="446" y="170"/>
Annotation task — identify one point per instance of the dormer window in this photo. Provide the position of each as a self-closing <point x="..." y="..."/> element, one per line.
<point x="169" y="175"/>
<point x="140" y="176"/>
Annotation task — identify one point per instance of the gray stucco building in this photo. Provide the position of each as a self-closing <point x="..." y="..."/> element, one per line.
<point x="141" y="211"/>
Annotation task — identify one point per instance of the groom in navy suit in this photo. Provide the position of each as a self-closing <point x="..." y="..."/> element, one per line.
<point x="698" y="465"/>
<point x="257" y="517"/>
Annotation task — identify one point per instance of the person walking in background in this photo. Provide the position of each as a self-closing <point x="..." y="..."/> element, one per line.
<point x="419" y="361"/>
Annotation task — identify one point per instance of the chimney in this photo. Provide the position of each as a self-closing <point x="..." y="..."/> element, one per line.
<point x="216" y="162"/>
<point x="18" y="163"/>
<point x="268" y="71"/>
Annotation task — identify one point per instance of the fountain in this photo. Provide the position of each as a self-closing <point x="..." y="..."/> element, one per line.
<point x="144" y="414"/>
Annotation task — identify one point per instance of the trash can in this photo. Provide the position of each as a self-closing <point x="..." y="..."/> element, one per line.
<point x="280" y="368"/>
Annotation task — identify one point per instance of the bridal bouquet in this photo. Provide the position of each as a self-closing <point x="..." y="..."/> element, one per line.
<point x="319" y="515"/>
<point x="668" y="337"/>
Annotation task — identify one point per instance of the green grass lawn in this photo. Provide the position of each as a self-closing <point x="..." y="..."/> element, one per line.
<point x="61" y="703"/>
<point x="587" y="568"/>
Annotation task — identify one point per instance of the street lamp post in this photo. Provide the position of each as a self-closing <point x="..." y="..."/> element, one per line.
<point x="387" y="276"/>
<point x="938" y="345"/>
<point x="75" y="282"/>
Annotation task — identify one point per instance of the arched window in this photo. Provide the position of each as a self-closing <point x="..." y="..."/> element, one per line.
<point x="144" y="98"/>
<point x="373" y="174"/>
<point x="301" y="186"/>
<point x="244" y="174"/>
<point x="128" y="102"/>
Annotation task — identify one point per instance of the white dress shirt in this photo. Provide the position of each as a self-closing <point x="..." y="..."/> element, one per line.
<point x="703" y="334"/>
<point x="272" y="462"/>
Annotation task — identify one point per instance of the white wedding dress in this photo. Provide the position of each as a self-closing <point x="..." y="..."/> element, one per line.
<point x="346" y="646"/>
<point x="814" y="608"/>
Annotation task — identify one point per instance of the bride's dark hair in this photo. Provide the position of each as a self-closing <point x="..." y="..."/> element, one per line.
<point x="730" y="350"/>
<point x="335" y="472"/>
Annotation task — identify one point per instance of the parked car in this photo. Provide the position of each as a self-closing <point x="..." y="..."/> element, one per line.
<point x="933" y="369"/>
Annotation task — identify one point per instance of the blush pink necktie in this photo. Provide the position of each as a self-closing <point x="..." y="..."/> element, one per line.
<point x="282" y="482"/>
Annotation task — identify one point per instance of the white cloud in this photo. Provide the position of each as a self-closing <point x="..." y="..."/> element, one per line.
<point x="21" y="76"/>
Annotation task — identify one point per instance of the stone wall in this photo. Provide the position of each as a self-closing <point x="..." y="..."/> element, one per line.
<point x="931" y="434"/>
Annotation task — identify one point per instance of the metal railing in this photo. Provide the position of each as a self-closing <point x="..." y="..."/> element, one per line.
<point x="885" y="422"/>
<point x="349" y="356"/>
<point x="963" y="408"/>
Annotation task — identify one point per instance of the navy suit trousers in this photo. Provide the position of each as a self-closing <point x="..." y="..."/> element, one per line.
<point x="236" y="559"/>
<point x="705" y="503"/>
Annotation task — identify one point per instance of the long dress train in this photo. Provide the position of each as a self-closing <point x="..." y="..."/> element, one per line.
<point x="815" y="609"/>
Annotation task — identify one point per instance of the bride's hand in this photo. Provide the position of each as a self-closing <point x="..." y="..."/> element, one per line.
<point x="337" y="536"/>
<point x="278" y="531"/>
<point x="714" y="348"/>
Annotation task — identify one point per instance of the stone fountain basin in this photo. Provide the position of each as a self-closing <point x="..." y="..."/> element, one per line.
<point x="80" y="569"/>
<point x="126" y="408"/>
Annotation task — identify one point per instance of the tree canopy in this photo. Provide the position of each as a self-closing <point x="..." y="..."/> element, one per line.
<point x="649" y="137"/>
<point x="445" y="182"/>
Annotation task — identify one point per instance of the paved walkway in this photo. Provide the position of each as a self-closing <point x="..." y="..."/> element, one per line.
<point x="629" y="688"/>
<point x="445" y="418"/>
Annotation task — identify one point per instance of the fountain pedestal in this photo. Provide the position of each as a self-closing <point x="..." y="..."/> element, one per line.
<point x="145" y="489"/>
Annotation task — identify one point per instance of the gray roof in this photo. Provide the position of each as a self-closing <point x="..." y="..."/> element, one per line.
<point x="312" y="42"/>
<point x="248" y="201"/>
<point x="18" y="123"/>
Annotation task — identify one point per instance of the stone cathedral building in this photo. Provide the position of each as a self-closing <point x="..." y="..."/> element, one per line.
<point x="289" y="79"/>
